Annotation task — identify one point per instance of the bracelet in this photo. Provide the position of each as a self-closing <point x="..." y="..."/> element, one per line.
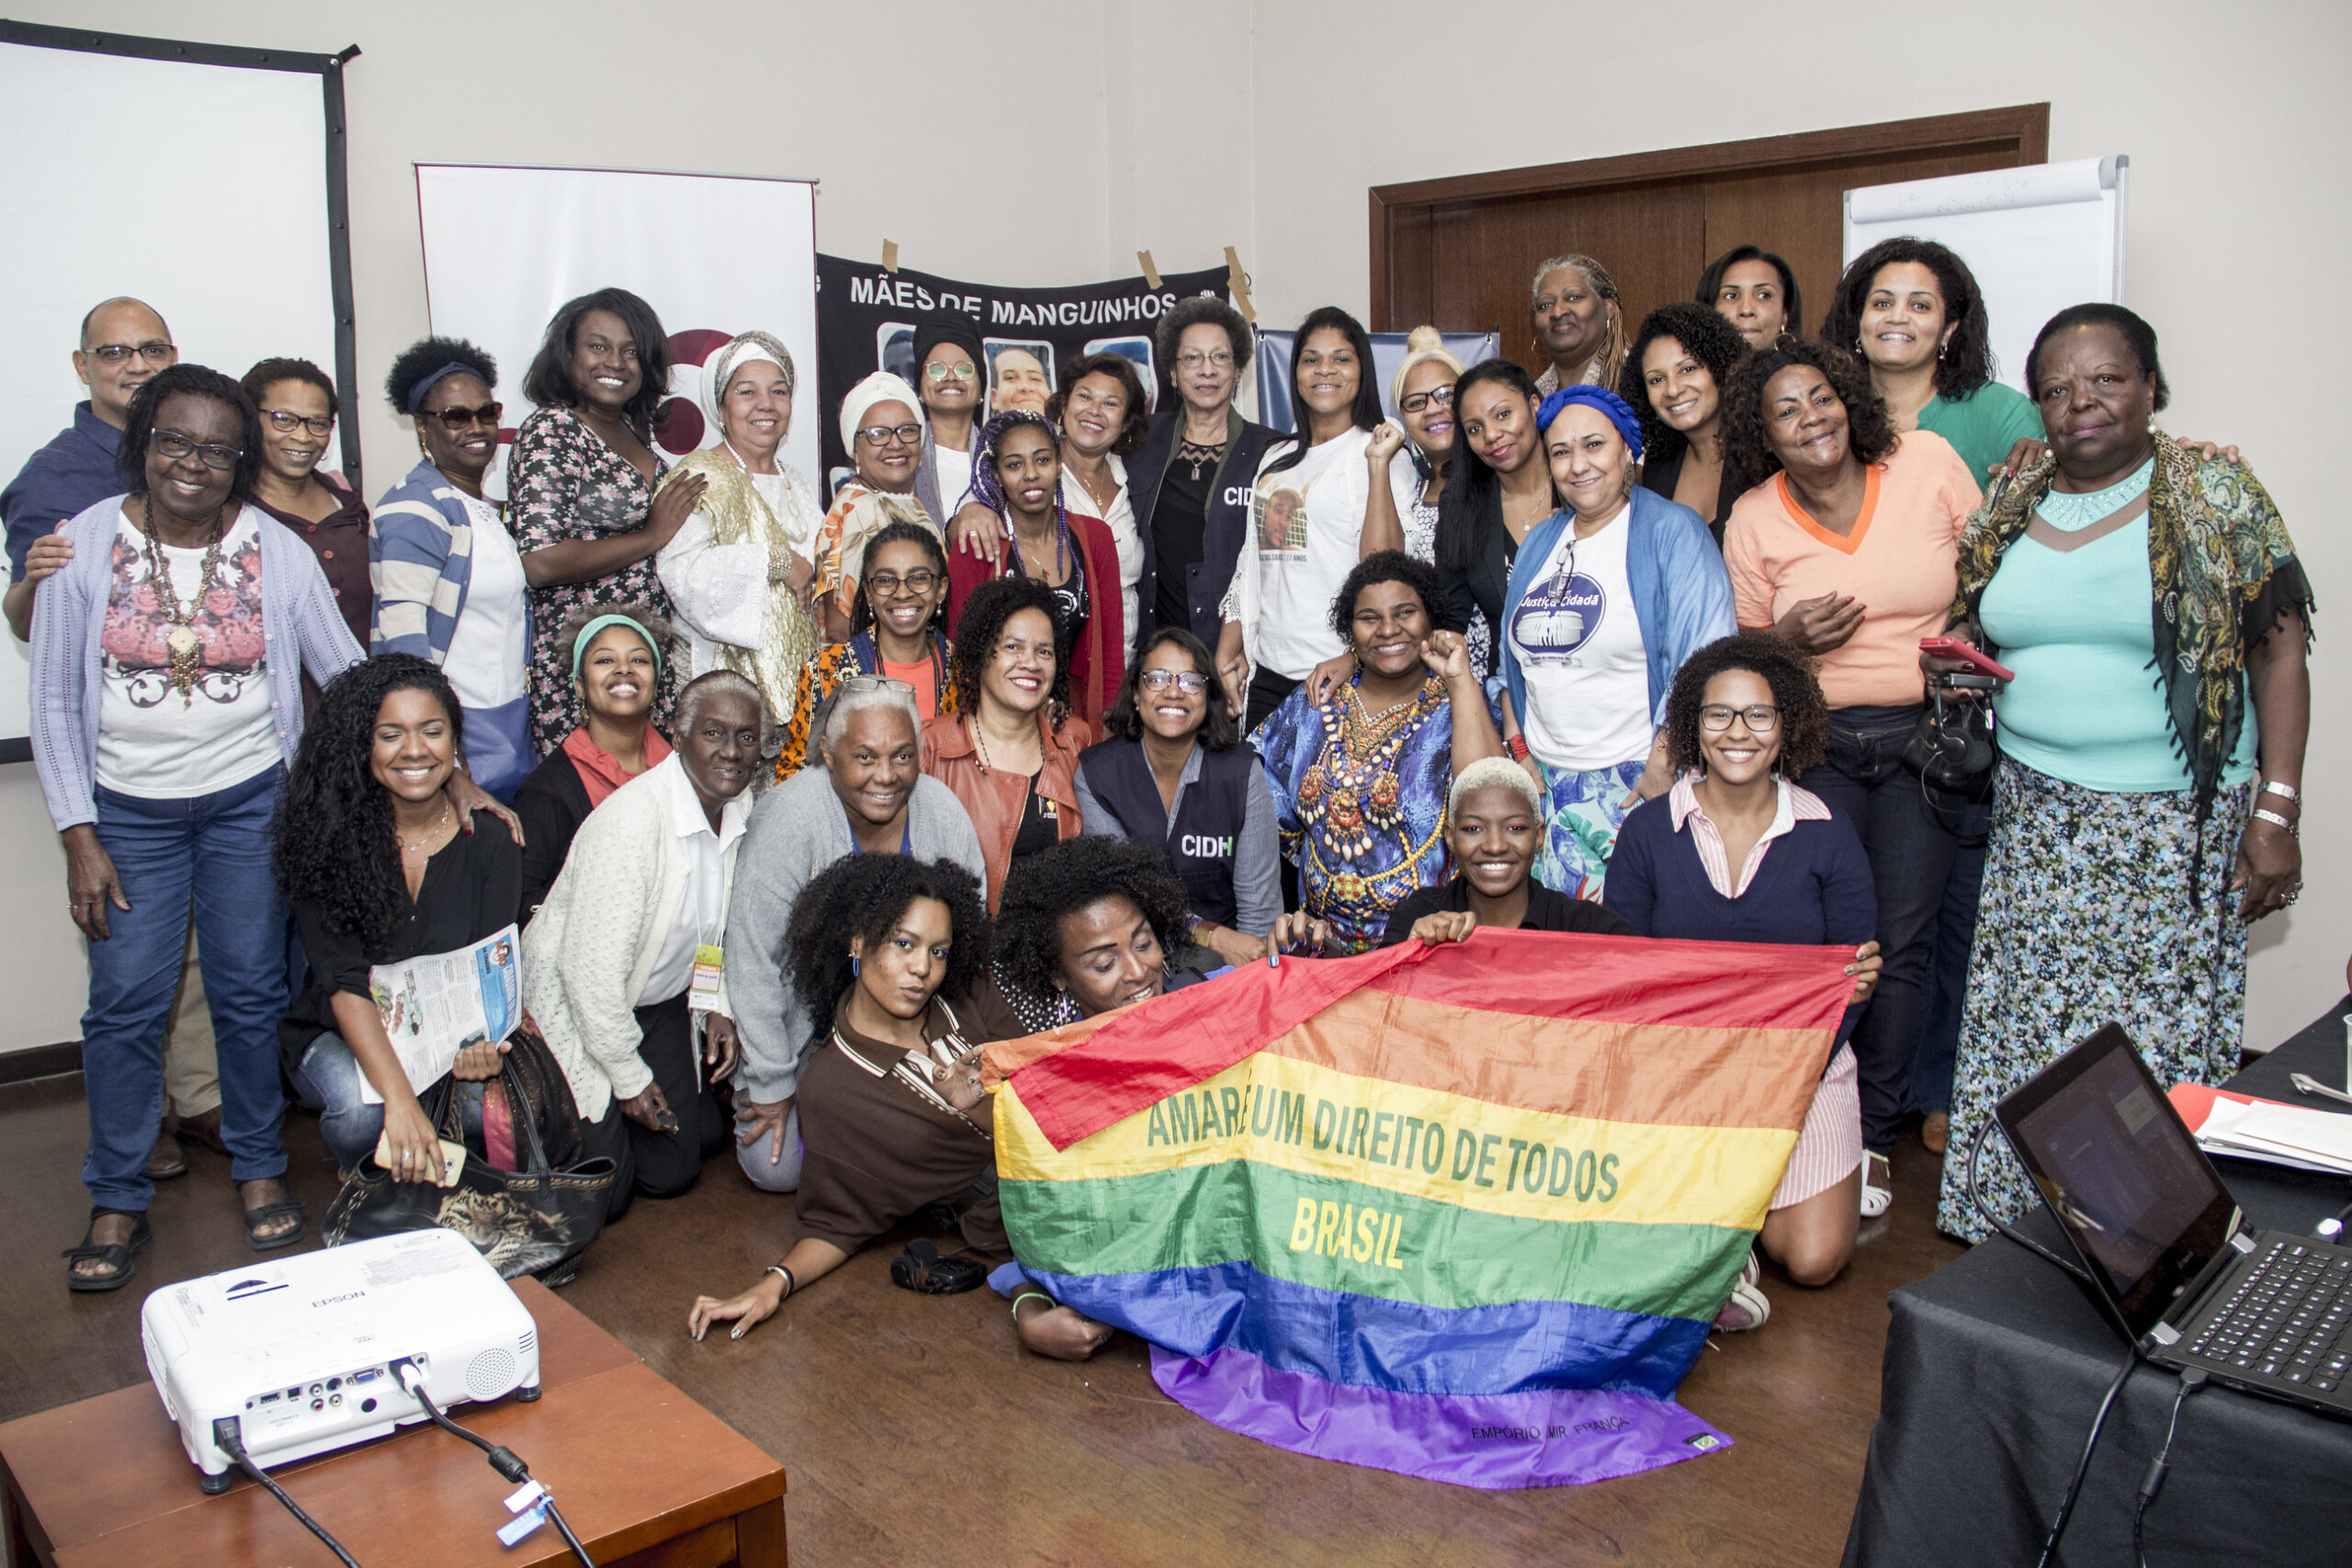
<point x="2285" y="792"/>
<point x="1517" y="746"/>
<point x="788" y="1281"/>
<point x="1029" y="1296"/>
<point x="2294" y="832"/>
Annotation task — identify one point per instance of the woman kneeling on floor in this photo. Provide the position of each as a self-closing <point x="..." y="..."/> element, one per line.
<point x="1736" y="853"/>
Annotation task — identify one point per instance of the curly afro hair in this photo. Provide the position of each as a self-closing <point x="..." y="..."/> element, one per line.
<point x="1748" y="445"/>
<point x="985" y="612"/>
<point x="425" y="356"/>
<point x="1074" y="875"/>
<point x="1966" y="362"/>
<point x="861" y="898"/>
<point x="1805" y="713"/>
<point x="331" y="841"/>
<point x="1386" y="566"/>
<point x="1197" y="310"/>
<point x="2137" y="334"/>
<point x="1706" y="337"/>
<point x="193" y="381"/>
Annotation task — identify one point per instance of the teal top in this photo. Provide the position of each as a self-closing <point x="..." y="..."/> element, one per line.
<point x="1984" y="425"/>
<point x="2075" y="627"/>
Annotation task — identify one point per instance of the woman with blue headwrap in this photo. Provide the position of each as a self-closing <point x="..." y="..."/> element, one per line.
<point x="1607" y="597"/>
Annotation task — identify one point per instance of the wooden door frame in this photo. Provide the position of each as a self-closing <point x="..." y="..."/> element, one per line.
<point x="2024" y="126"/>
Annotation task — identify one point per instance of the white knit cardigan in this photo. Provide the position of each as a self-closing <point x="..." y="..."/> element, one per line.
<point x="590" y="950"/>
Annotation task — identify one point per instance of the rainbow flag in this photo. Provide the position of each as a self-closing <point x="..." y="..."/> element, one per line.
<point x="1466" y="1213"/>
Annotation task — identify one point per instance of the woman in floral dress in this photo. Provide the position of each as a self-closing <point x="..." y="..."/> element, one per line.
<point x="580" y="483"/>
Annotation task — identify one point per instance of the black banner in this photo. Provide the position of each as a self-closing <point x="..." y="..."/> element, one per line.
<point x="866" y="317"/>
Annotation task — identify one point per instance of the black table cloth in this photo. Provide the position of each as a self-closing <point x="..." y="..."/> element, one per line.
<point x="1995" y="1365"/>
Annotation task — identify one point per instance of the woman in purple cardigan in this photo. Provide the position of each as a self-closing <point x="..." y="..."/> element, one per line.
<point x="166" y="687"/>
<point x="1736" y="853"/>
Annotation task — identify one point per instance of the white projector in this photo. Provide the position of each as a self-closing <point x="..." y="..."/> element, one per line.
<point x="305" y="1352"/>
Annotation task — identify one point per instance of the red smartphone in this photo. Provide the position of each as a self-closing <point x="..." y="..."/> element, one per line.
<point x="1952" y="648"/>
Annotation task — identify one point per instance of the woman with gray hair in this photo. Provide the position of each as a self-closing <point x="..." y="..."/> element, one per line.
<point x="621" y="966"/>
<point x="1580" y="324"/>
<point x="738" y="571"/>
<point x="869" y="797"/>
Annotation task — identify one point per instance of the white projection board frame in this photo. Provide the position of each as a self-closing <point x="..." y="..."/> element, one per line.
<point x="70" y="197"/>
<point x="2039" y="238"/>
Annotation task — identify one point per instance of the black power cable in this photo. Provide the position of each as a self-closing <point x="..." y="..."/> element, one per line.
<point x="2083" y="1465"/>
<point x="1976" y="1149"/>
<point x="228" y="1434"/>
<point x="505" y="1461"/>
<point x="2191" y="1380"/>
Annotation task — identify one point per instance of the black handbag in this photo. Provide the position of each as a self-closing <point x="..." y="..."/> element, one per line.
<point x="1953" y="749"/>
<point x="534" y="1221"/>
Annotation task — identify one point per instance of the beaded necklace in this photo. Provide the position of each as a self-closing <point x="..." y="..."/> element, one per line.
<point x="2067" y="512"/>
<point x="1352" y="793"/>
<point x="187" y="645"/>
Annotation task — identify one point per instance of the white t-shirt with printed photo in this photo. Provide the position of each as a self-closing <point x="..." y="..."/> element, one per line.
<point x="1306" y="532"/>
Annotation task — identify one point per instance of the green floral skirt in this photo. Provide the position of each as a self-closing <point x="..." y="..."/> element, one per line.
<point x="2097" y="908"/>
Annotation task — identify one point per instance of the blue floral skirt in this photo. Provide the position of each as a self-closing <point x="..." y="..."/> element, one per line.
<point x="1581" y="815"/>
<point x="2097" y="908"/>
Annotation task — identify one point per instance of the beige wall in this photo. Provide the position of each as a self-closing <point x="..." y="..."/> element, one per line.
<point x="1048" y="141"/>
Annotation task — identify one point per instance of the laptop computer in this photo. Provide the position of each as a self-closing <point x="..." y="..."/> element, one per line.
<point x="2165" y="1244"/>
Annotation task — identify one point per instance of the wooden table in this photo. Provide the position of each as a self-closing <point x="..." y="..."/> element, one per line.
<point x="646" y="1476"/>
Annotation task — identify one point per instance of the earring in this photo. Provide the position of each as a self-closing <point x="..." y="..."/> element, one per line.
<point x="853" y="965"/>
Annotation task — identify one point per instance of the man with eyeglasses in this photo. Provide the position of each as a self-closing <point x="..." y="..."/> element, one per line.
<point x="124" y="341"/>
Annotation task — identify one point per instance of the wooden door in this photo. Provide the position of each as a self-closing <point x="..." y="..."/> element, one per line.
<point x="1461" y="254"/>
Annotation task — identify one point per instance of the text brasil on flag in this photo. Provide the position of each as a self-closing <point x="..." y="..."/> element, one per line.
<point x="1466" y="1213"/>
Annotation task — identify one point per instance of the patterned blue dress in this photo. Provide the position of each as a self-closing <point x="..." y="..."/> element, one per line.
<point x="1361" y="801"/>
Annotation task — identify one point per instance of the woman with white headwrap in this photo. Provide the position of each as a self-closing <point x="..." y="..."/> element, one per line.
<point x="736" y="570"/>
<point x="882" y="426"/>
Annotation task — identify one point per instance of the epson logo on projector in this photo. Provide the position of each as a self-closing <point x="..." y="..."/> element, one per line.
<point x="346" y="1296"/>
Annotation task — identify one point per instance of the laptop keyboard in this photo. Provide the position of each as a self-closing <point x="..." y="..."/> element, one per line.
<point x="2285" y="1318"/>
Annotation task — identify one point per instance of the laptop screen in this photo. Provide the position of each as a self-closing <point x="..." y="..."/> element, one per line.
<point x="2142" y="1204"/>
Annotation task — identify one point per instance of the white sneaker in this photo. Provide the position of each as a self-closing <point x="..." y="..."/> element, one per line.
<point x="1878" y="1185"/>
<point x="1748" y="1308"/>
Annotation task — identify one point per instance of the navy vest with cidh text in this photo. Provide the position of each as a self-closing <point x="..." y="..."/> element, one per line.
<point x="1208" y="818"/>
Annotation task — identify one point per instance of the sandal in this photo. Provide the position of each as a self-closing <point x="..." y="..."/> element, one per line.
<point x="1748" y="1308"/>
<point x="116" y="1255"/>
<point x="258" y="1217"/>
<point x="1878" y="1185"/>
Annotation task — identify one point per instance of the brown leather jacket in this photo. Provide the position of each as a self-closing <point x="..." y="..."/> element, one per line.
<point x="995" y="799"/>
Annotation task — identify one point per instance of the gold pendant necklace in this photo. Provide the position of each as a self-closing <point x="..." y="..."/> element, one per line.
<point x="185" y="645"/>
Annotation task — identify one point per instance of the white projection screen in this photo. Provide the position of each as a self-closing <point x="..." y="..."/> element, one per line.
<point x="714" y="255"/>
<point x="241" y="267"/>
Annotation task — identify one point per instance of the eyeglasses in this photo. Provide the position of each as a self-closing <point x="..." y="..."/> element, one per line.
<point x="283" y="419"/>
<point x="940" y="370"/>
<point x="1439" y="397"/>
<point x="1192" y="682"/>
<point x="170" y="445"/>
<point x="459" y="419"/>
<point x="157" y="352"/>
<point x="1215" y="359"/>
<point x="862" y="684"/>
<point x="888" y="584"/>
<point x="884" y="434"/>
<point x="1715" y="718"/>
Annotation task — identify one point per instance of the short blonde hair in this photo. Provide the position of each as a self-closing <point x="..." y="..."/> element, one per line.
<point x="1423" y="346"/>
<point x="1498" y="772"/>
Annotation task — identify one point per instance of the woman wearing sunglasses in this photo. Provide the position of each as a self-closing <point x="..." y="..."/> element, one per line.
<point x="448" y="577"/>
<point x="1175" y="774"/>
<point x="899" y="631"/>
<point x="298" y="412"/>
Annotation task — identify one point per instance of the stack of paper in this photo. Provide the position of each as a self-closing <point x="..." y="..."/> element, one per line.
<point x="2295" y="1135"/>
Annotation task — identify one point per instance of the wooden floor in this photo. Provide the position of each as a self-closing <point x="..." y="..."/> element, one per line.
<point x="914" y="1431"/>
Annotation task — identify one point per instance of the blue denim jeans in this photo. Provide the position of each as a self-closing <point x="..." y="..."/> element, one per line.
<point x="1864" y="781"/>
<point x="212" y="852"/>
<point x="327" y="1081"/>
